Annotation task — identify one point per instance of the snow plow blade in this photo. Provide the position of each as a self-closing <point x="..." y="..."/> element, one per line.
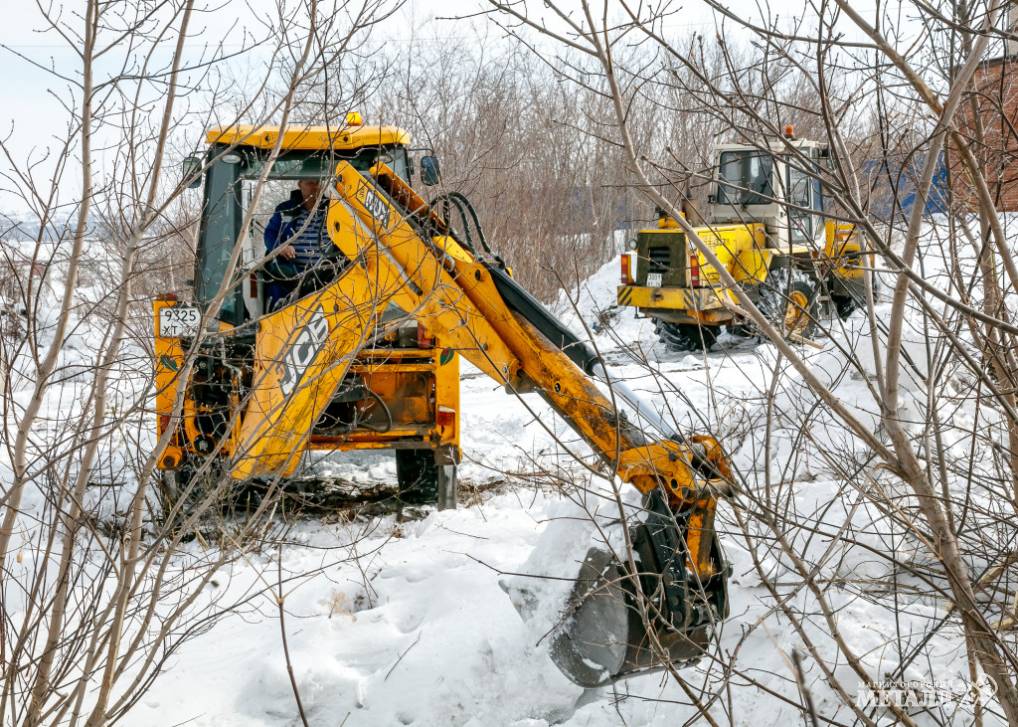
<point x="617" y="624"/>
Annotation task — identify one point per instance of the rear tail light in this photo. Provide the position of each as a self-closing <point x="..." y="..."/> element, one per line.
<point x="627" y="273"/>
<point x="253" y="285"/>
<point x="445" y="417"/>
<point x="164" y="423"/>
<point x="694" y="270"/>
<point x="423" y="339"/>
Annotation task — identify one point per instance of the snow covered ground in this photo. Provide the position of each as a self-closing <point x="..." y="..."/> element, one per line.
<point x="400" y="623"/>
<point x="418" y="631"/>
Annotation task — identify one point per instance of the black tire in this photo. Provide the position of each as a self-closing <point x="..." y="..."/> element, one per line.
<point x="422" y="481"/>
<point x="844" y="305"/>
<point x="191" y="488"/>
<point x="685" y="337"/>
<point x="801" y="310"/>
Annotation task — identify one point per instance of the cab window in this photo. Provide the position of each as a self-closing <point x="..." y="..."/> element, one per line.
<point x="229" y="184"/>
<point x="805" y="199"/>
<point x="745" y="177"/>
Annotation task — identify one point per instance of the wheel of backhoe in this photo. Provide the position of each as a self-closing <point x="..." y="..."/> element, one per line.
<point x="423" y="480"/>
<point x="685" y="337"/>
<point x="844" y="305"/>
<point x="189" y="488"/>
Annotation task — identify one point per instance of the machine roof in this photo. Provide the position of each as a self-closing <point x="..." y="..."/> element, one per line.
<point x="308" y="138"/>
<point x="772" y="144"/>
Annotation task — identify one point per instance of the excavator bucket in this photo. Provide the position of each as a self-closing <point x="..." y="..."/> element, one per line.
<point x="617" y="622"/>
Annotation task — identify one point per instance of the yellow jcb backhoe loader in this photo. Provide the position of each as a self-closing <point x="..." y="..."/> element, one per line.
<point x="402" y="389"/>
<point x="432" y="263"/>
<point x="766" y="225"/>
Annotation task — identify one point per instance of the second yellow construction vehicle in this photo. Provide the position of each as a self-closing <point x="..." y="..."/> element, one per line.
<point x="766" y="224"/>
<point x="269" y="379"/>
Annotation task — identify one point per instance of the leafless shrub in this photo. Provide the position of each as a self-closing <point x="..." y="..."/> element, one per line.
<point x="893" y="419"/>
<point x="98" y="587"/>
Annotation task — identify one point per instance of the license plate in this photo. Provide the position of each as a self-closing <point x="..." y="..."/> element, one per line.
<point x="179" y="321"/>
<point x="654" y="280"/>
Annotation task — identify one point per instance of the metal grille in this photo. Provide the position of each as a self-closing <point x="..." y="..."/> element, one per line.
<point x="660" y="257"/>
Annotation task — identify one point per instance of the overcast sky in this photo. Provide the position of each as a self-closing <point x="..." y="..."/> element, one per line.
<point x="31" y="116"/>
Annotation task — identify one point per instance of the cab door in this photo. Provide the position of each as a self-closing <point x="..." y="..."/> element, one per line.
<point x="805" y="200"/>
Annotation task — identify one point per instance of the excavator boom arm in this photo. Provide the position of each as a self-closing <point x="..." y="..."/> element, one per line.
<point x="402" y="253"/>
<point x="398" y="251"/>
<point x="537" y="351"/>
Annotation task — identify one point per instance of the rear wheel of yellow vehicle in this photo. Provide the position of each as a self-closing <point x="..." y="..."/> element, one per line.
<point x="685" y="337"/>
<point x="423" y="480"/>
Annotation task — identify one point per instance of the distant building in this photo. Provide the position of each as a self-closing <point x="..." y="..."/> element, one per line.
<point x="991" y="131"/>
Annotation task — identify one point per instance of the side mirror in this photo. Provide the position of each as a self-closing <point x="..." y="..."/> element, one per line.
<point x="431" y="174"/>
<point x="191" y="168"/>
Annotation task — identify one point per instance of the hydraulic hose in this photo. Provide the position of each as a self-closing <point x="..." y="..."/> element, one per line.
<point x="522" y="302"/>
<point x="470" y="223"/>
<point x="644" y="410"/>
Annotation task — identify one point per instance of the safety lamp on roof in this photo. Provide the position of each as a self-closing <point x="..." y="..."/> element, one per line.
<point x="789" y="131"/>
<point x="354" y="118"/>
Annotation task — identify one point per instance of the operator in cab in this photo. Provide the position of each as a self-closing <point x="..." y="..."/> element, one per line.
<point x="297" y="230"/>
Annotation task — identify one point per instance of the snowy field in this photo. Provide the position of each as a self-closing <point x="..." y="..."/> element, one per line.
<point x="420" y="632"/>
<point x="405" y="623"/>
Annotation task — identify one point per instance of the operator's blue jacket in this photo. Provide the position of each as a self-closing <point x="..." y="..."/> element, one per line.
<point x="281" y="273"/>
